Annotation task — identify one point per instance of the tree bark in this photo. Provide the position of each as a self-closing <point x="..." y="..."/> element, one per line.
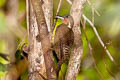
<point x="36" y="64"/>
<point x="41" y="36"/>
<point x="76" y="55"/>
<point x="48" y="13"/>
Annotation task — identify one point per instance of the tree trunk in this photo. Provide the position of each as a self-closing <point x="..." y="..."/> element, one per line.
<point x="40" y="55"/>
<point x="35" y="56"/>
<point x="77" y="52"/>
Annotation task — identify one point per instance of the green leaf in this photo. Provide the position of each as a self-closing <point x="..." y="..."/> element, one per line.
<point x="2" y="2"/>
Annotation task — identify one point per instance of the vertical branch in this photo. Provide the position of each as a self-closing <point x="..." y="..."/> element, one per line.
<point x="28" y="14"/>
<point x="75" y="58"/>
<point x="48" y="13"/>
<point x="35" y="57"/>
<point x="43" y="36"/>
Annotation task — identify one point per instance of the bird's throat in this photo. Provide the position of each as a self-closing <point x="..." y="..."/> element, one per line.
<point x="69" y="25"/>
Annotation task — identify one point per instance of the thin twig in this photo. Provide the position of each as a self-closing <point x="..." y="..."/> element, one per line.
<point x="58" y="9"/>
<point x="91" y="51"/>
<point x="93" y="8"/>
<point x="113" y="46"/>
<point x="118" y="49"/>
<point x="69" y="1"/>
<point x="27" y="15"/>
<point x="99" y="38"/>
<point x="107" y="67"/>
<point x="59" y="6"/>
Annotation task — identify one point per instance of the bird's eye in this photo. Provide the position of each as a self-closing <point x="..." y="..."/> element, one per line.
<point x="67" y="16"/>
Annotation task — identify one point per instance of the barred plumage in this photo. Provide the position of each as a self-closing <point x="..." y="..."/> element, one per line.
<point x="63" y="40"/>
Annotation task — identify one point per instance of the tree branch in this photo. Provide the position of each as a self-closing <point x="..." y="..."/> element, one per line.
<point x="75" y="58"/>
<point x="35" y="55"/>
<point x="100" y="40"/>
<point x="44" y="38"/>
<point x="48" y="13"/>
<point x="28" y="15"/>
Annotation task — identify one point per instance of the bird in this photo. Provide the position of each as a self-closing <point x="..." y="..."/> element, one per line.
<point x="63" y="39"/>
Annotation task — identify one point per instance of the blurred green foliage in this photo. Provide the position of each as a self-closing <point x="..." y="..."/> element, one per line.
<point x="3" y="67"/>
<point x="24" y="76"/>
<point x="2" y="22"/>
<point x="2" y="2"/>
<point x="108" y="27"/>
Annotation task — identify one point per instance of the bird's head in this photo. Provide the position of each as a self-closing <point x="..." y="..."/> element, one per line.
<point x="68" y="20"/>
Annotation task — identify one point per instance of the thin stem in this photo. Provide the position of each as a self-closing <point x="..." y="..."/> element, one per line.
<point x="58" y="9"/>
<point x="91" y="51"/>
<point x="99" y="38"/>
<point x="27" y="15"/>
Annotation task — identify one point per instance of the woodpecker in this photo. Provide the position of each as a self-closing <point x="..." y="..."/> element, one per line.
<point x="63" y="39"/>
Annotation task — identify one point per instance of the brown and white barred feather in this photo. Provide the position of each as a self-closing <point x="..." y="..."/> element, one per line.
<point x="64" y="39"/>
<point x="66" y="50"/>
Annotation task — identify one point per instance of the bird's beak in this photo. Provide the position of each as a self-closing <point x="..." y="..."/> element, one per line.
<point x="59" y="17"/>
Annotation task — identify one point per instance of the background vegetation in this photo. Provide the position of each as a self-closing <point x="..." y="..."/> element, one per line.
<point x="107" y="24"/>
